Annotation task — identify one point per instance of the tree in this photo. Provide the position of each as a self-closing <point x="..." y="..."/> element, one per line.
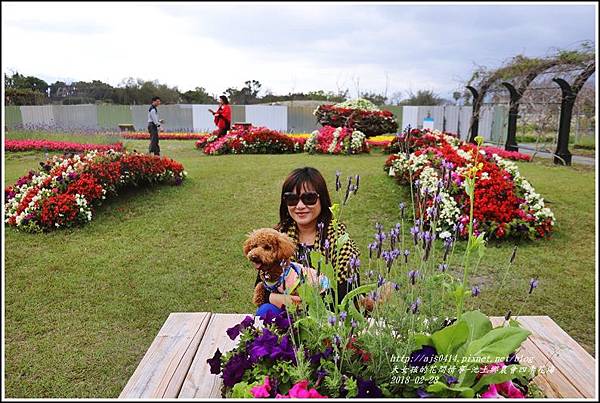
<point x="422" y="98"/>
<point x="377" y="99"/>
<point x="246" y="95"/>
<point x="198" y="96"/>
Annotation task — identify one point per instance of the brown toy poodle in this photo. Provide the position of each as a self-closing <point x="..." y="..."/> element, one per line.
<point x="270" y="251"/>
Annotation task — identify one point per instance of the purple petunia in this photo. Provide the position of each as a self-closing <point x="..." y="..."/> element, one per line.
<point x="215" y="362"/>
<point x="235" y="368"/>
<point x="367" y="389"/>
<point x="422" y="357"/>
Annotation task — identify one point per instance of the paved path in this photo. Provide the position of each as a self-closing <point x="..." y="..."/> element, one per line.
<point x="576" y="159"/>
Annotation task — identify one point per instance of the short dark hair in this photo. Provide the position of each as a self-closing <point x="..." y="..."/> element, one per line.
<point x="155" y="98"/>
<point x="225" y="100"/>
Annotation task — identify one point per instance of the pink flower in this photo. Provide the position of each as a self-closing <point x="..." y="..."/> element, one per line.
<point x="510" y="390"/>
<point x="262" y="390"/>
<point x="492" y="393"/>
<point x="301" y="391"/>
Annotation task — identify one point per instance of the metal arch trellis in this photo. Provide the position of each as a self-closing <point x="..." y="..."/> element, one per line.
<point x="569" y="94"/>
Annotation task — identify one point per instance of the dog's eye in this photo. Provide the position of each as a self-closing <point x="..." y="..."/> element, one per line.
<point x="267" y="247"/>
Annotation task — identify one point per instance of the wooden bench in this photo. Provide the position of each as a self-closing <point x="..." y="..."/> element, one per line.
<point x="126" y="127"/>
<point x="175" y="364"/>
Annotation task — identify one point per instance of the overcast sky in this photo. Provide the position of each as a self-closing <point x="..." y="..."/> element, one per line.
<point x="286" y="46"/>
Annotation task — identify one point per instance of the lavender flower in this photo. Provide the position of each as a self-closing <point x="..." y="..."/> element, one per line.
<point x="378" y="227"/>
<point x="406" y="254"/>
<point x="414" y="307"/>
<point x="372" y="247"/>
<point x="514" y="254"/>
<point x="370" y="273"/>
<point x="443" y="267"/>
<point x="353" y="323"/>
<point x="533" y="283"/>
<point x="331" y="320"/>
<point x="348" y="188"/>
<point x="320" y="227"/>
<point x="357" y="179"/>
<point x="337" y="340"/>
<point x="475" y="291"/>
<point x="343" y="316"/>
<point x="402" y="207"/>
<point x="413" y="274"/>
<point x="380" y="280"/>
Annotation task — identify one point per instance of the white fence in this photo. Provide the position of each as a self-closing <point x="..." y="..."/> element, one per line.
<point x="291" y="119"/>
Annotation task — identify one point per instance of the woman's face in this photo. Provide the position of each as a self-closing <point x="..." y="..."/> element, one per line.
<point x="302" y="214"/>
<point x="220" y="101"/>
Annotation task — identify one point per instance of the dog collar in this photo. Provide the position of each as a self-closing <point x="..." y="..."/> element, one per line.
<point x="273" y="287"/>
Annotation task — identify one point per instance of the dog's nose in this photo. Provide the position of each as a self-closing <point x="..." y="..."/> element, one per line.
<point x="253" y="258"/>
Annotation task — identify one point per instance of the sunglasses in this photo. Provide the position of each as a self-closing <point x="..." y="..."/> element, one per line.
<point x="308" y="198"/>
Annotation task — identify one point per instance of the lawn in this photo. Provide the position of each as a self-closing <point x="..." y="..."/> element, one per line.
<point x="83" y="305"/>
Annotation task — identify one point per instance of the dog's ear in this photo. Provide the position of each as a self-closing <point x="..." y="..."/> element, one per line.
<point x="248" y="243"/>
<point x="286" y="247"/>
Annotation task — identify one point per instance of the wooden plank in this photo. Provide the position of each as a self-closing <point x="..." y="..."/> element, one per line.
<point x="162" y="370"/>
<point x="554" y="385"/>
<point x="199" y="382"/>
<point x="564" y="353"/>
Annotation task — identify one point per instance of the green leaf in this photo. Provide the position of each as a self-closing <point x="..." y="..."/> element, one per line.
<point x="479" y="324"/>
<point x="438" y="387"/>
<point x="335" y="210"/>
<point x="363" y="289"/>
<point x="422" y="340"/>
<point x="342" y="240"/>
<point x="498" y="343"/>
<point x="355" y="314"/>
<point x="501" y="377"/>
<point x="241" y="390"/>
<point x="447" y="340"/>
<point x="326" y="269"/>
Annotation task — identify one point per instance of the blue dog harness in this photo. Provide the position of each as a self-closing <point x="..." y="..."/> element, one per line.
<point x="274" y="287"/>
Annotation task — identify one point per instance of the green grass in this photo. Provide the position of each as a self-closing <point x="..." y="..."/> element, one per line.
<point x="83" y="305"/>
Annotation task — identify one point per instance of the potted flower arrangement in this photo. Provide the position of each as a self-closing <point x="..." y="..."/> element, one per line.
<point x="421" y="337"/>
<point x="359" y="114"/>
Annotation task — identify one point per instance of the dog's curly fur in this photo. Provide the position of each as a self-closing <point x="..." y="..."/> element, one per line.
<point x="266" y="248"/>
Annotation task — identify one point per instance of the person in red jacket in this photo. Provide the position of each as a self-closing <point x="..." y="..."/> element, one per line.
<point x="222" y="116"/>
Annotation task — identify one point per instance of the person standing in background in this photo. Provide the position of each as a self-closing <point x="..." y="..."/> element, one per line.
<point x="153" y="126"/>
<point x="222" y="116"/>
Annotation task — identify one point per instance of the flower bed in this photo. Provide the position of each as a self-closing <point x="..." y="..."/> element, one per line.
<point x="164" y="136"/>
<point x="47" y="145"/>
<point x="65" y="192"/>
<point x="420" y="138"/>
<point x="417" y="340"/>
<point x="336" y="140"/>
<point x="359" y="115"/>
<point x="506" y="205"/>
<point x="380" y="141"/>
<point x="256" y="140"/>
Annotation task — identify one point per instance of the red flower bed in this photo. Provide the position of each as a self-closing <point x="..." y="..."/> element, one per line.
<point x="505" y="204"/>
<point x="164" y="136"/>
<point x="256" y="140"/>
<point x="65" y="192"/>
<point x="47" y="145"/>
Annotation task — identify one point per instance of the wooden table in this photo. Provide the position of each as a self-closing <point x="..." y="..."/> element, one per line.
<point x="175" y="364"/>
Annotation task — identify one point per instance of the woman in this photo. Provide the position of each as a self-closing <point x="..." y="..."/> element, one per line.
<point x="222" y="116"/>
<point x="305" y="216"/>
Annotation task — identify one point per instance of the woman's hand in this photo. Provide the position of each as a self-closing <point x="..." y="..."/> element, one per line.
<point x="279" y="300"/>
<point x="211" y="111"/>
